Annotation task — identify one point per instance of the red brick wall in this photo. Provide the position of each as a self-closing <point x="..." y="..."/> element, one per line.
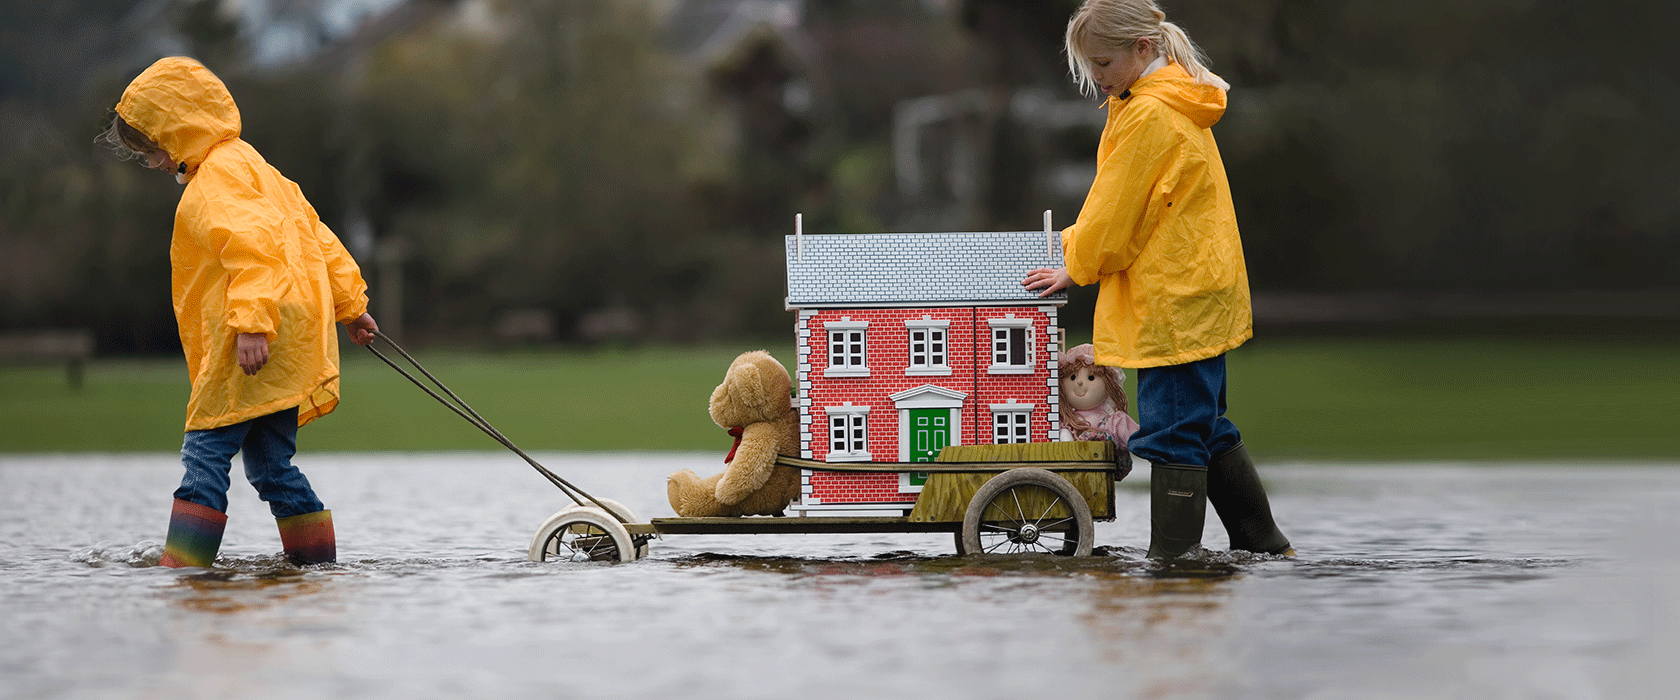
<point x="969" y="357"/>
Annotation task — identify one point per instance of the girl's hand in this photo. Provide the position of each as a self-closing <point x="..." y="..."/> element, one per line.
<point x="1051" y="279"/>
<point x="253" y="351"/>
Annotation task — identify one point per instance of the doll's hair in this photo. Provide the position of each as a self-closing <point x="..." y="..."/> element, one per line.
<point x="124" y="141"/>
<point x="1076" y="362"/>
<point x="1121" y="23"/>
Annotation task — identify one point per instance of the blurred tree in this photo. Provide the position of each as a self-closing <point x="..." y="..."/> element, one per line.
<point x="79" y="236"/>
<point x="543" y="160"/>
<point x="1503" y="145"/>
<point x="569" y="157"/>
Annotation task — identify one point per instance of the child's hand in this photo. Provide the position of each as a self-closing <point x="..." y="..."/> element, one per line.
<point x="362" y="329"/>
<point x="253" y="351"/>
<point x="1051" y="279"/>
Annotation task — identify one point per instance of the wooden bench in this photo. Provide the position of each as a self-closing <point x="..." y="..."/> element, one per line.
<point x="71" y="346"/>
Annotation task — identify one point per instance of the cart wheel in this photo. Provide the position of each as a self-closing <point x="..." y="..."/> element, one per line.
<point x="1027" y="510"/>
<point x="583" y="534"/>
<point x="613" y="506"/>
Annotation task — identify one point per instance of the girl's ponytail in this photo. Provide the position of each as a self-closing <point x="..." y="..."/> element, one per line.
<point x="1177" y="46"/>
<point x="1122" y="23"/>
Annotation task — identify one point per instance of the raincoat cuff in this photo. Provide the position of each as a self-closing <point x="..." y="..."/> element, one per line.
<point x="353" y="311"/>
<point x="246" y="326"/>
<point x="1068" y="263"/>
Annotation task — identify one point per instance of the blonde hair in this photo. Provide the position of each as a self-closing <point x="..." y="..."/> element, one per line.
<point x="1121" y="23"/>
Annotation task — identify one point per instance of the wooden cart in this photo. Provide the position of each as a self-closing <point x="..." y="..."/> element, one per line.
<point x="996" y="499"/>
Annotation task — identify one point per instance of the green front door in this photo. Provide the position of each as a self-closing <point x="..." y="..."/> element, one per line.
<point x="930" y="432"/>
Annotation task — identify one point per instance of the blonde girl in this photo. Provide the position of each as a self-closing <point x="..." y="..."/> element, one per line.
<point x="1158" y="232"/>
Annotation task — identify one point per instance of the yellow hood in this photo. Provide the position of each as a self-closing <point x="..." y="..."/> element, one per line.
<point x="1203" y="104"/>
<point x="183" y="107"/>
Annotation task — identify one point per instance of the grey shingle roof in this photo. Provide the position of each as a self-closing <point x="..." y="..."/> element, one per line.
<point x="905" y="268"/>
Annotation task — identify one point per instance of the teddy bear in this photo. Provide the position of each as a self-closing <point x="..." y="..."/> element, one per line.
<point x="1093" y="399"/>
<point x="755" y="404"/>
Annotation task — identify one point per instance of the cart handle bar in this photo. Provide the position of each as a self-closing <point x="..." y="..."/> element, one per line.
<point x="466" y="412"/>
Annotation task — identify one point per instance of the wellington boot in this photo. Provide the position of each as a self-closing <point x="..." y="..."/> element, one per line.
<point x="1177" y="509"/>
<point x="1240" y="501"/>
<point x="195" y="535"/>
<point x="309" y="538"/>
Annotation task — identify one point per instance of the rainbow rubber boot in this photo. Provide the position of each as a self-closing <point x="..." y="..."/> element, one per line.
<point x="308" y="538"/>
<point x="195" y="535"/>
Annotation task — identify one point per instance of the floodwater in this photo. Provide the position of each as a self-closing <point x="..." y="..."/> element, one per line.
<point x="1413" y="581"/>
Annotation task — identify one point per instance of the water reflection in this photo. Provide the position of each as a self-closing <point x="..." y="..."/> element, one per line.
<point x="228" y="591"/>
<point x="1393" y="596"/>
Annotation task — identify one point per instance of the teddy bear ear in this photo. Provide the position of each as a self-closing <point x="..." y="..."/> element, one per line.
<point x="745" y="377"/>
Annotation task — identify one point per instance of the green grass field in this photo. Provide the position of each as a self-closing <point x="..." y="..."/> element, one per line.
<point x="1358" y="399"/>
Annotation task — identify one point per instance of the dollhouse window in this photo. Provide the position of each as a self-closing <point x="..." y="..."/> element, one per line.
<point x="929" y="347"/>
<point x="848" y="348"/>
<point x="848" y="433"/>
<point x="1011" y="423"/>
<point x="1012" y="351"/>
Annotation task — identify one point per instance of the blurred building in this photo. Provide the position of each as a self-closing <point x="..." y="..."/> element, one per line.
<point x="765" y="71"/>
<point x="1021" y="141"/>
<point x="981" y="126"/>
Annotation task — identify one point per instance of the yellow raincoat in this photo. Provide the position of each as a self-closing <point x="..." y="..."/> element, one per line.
<point x="1159" y="232"/>
<point x="249" y="255"/>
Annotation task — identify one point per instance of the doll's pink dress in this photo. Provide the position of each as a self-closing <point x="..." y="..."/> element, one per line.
<point x="1106" y="424"/>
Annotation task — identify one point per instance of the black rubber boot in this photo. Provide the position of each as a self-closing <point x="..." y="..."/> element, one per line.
<point x="1239" y="499"/>
<point x="1177" y="509"/>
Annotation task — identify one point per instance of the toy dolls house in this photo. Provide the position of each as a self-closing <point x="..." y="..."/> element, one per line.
<point x="909" y="342"/>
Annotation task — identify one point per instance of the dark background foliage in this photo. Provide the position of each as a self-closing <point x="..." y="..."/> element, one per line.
<point x="624" y="171"/>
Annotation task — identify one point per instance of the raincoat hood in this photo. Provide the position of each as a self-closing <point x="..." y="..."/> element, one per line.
<point x="1204" y="104"/>
<point x="183" y="107"/>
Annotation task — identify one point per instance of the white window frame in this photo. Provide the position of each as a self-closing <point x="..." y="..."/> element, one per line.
<point x="1019" y="419"/>
<point x="933" y="365"/>
<point x="841" y="333"/>
<point x="850" y="419"/>
<point x="1004" y="328"/>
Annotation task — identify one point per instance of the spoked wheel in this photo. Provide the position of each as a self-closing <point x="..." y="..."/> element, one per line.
<point x="1024" y="511"/>
<point x="587" y="533"/>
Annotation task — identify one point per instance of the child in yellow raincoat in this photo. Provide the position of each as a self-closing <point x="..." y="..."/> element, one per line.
<point x="258" y="282"/>
<point x="1159" y="233"/>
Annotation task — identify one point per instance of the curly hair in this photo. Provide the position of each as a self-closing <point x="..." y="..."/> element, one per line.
<point x="125" y="141"/>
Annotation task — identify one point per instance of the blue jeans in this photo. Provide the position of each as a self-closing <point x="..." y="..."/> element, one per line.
<point x="1181" y="414"/>
<point x="267" y="444"/>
